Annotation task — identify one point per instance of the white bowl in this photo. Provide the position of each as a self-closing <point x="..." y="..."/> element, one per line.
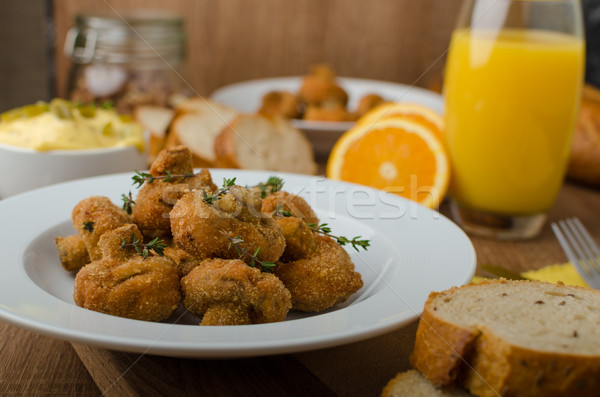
<point x="23" y="169"/>
<point x="247" y="96"/>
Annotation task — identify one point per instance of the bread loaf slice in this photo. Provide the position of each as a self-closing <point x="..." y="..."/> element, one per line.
<point x="512" y="338"/>
<point x="198" y="123"/>
<point x="413" y="384"/>
<point x="253" y="141"/>
<point x="584" y="161"/>
<point x="156" y="120"/>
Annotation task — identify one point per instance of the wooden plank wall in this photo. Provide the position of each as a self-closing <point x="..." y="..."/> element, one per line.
<point x="234" y="40"/>
<point x="24" y="72"/>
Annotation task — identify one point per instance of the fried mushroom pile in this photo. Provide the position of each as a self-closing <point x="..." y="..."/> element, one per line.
<point x="231" y="255"/>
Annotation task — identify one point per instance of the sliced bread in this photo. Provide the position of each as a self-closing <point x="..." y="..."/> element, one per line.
<point x="512" y="338"/>
<point x="413" y="384"/>
<point x="252" y="141"/>
<point x="198" y="123"/>
<point x="156" y="120"/>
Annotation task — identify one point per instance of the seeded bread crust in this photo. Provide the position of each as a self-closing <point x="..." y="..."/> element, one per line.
<point x="517" y="371"/>
<point x="496" y="366"/>
<point x="441" y="346"/>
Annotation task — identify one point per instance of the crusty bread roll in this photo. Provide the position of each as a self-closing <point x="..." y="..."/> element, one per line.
<point x="413" y="384"/>
<point x="196" y="126"/>
<point x="252" y="141"/>
<point x="584" y="163"/>
<point x="512" y="338"/>
<point x="156" y="120"/>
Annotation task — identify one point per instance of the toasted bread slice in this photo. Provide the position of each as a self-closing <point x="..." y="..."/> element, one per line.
<point x="512" y="338"/>
<point x="196" y="126"/>
<point x="260" y="143"/>
<point x="584" y="161"/>
<point x="413" y="384"/>
<point x="156" y="120"/>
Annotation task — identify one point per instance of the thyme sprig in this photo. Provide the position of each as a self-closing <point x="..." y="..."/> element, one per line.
<point x="323" y="228"/>
<point x="242" y="252"/>
<point x="142" y="249"/>
<point x="128" y="202"/>
<point x="142" y="177"/>
<point x="279" y="211"/>
<point x="272" y="185"/>
<point x="211" y="198"/>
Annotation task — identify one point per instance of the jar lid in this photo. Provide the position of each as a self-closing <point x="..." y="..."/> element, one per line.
<point x="137" y="37"/>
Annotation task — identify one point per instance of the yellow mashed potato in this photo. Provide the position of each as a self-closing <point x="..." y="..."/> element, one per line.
<point x="63" y="125"/>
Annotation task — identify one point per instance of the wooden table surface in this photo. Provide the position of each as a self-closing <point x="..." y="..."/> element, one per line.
<point x="34" y="365"/>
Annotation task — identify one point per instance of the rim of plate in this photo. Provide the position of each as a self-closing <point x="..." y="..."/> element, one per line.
<point x="29" y="215"/>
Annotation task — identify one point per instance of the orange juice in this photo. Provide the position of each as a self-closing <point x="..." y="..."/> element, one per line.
<point x="512" y="99"/>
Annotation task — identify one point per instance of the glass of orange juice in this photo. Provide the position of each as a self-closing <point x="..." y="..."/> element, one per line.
<point x="512" y="90"/>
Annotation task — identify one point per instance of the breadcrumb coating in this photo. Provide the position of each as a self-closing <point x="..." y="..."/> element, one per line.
<point x="300" y="240"/>
<point x="72" y="252"/>
<point x="229" y="292"/>
<point x="321" y="280"/>
<point x="204" y="229"/>
<point x="94" y="216"/>
<point x="126" y="285"/>
<point x="289" y="202"/>
<point x="155" y="200"/>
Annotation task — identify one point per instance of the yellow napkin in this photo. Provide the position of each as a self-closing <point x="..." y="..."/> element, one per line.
<point x="564" y="272"/>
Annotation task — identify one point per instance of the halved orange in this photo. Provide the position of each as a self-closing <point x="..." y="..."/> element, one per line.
<point x="412" y="111"/>
<point x="393" y="154"/>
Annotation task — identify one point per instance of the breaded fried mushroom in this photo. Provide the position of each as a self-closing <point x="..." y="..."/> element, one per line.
<point x="283" y="200"/>
<point x="204" y="228"/>
<point x="320" y="86"/>
<point x="94" y="216"/>
<point x="72" y="252"/>
<point x="328" y="113"/>
<point x="156" y="199"/>
<point x="280" y="104"/>
<point x="300" y="240"/>
<point x="321" y="280"/>
<point x="184" y="262"/>
<point x="125" y="284"/>
<point x="367" y="103"/>
<point x="229" y="292"/>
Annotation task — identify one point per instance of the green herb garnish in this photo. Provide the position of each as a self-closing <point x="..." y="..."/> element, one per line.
<point x="323" y="228"/>
<point x="273" y="184"/>
<point x="141" y="177"/>
<point x="211" y="198"/>
<point x="127" y="202"/>
<point x="143" y="250"/>
<point x="235" y="242"/>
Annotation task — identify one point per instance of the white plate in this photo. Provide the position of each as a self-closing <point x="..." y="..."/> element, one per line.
<point x="413" y="251"/>
<point x="247" y="97"/>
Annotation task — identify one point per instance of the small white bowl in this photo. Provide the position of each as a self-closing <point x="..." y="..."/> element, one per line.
<point x="23" y="169"/>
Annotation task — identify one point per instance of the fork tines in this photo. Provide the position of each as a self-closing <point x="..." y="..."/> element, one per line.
<point x="580" y="248"/>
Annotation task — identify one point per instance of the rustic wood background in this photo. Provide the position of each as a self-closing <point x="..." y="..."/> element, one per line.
<point x="234" y="40"/>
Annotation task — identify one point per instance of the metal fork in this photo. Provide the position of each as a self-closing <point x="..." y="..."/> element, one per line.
<point x="580" y="248"/>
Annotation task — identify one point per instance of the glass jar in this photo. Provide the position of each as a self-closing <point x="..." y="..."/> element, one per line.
<point x="129" y="61"/>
